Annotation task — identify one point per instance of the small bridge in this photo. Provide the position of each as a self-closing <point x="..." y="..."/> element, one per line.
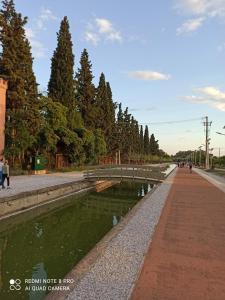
<point x="126" y="172"/>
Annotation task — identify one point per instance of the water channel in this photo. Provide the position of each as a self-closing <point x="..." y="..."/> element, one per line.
<point x="47" y="242"/>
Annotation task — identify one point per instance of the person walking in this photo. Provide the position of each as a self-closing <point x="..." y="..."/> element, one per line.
<point x="5" y="174"/>
<point x="1" y="165"/>
<point x="190" y="166"/>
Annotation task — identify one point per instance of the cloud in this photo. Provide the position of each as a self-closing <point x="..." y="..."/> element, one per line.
<point x="45" y="16"/>
<point x="148" y="75"/>
<point x="32" y="34"/>
<point x="208" y="95"/>
<point x="101" y="30"/>
<point x="38" y="49"/>
<point x="211" y="8"/>
<point x="104" y="25"/>
<point x="190" y="26"/>
<point x="92" y="37"/>
<point x="201" y="10"/>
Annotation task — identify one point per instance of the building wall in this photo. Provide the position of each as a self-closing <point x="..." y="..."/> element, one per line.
<point x="3" y="88"/>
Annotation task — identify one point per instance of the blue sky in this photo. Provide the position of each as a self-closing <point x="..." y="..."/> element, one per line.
<point x="165" y="60"/>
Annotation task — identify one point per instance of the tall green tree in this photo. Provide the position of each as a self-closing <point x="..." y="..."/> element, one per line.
<point x="153" y="145"/>
<point x="141" y="140"/>
<point x="105" y="111"/>
<point x="85" y="91"/>
<point x="137" y="145"/>
<point x="111" y="108"/>
<point x="120" y="114"/>
<point x="54" y="127"/>
<point x="146" y="140"/>
<point x="101" y="104"/>
<point x="16" y="64"/>
<point x="61" y="86"/>
<point x="126" y="134"/>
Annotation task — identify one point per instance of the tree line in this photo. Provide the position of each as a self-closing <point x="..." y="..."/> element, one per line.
<point x="75" y="118"/>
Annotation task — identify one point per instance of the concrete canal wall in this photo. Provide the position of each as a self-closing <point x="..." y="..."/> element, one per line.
<point x="29" y="199"/>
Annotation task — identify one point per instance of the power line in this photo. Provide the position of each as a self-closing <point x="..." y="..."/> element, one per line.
<point x="172" y="122"/>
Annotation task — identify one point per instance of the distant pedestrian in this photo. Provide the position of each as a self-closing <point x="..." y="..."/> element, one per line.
<point x="190" y="166"/>
<point x="1" y="165"/>
<point x="5" y="174"/>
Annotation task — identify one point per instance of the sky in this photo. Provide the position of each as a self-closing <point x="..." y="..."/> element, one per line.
<point x="165" y="60"/>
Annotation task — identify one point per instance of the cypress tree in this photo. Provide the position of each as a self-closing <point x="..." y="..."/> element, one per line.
<point x="153" y="145"/>
<point x="86" y="91"/>
<point x="61" y="85"/>
<point x="132" y="135"/>
<point x="120" y="114"/>
<point x="141" y="140"/>
<point x="118" y="129"/>
<point x="101" y="104"/>
<point x="126" y="133"/>
<point x="16" y="62"/>
<point x="105" y="111"/>
<point x="146" y="140"/>
<point x="111" y="130"/>
<point x="137" y="146"/>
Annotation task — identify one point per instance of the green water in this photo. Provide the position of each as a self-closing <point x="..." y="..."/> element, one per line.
<point x="48" y="242"/>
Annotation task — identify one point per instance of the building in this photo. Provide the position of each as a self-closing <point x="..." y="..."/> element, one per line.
<point x="3" y="89"/>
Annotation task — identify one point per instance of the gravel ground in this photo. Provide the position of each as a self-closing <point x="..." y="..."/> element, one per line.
<point x="113" y="275"/>
<point x="26" y="183"/>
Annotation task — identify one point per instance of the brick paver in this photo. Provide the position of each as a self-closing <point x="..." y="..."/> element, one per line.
<point x="186" y="259"/>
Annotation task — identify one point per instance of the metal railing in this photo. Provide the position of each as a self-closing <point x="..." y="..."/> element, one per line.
<point x="135" y="172"/>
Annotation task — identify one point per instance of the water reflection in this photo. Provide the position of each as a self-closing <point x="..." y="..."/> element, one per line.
<point x="49" y="243"/>
<point x="36" y="293"/>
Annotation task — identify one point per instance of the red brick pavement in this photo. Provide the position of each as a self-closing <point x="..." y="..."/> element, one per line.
<point x="186" y="259"/>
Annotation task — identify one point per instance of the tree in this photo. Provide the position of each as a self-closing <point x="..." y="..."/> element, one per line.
<point x="101" y="104"/>
<point x="54" y="131"/>
<point x="16" y="62"/>
<point x="110" y="116"/>
<point x="146" y="140"/>
<point x="153" y="145"/>
<point x="105" y="111"/>
<point x="85" y="90"/>
<point x="61" y="86"/>
<point x="100" y="144"/>
<point x="141" y="141"/>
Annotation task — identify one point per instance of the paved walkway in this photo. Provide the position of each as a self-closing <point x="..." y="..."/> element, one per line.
<point x="28" y="183"/>
<point x="186" y="259"/>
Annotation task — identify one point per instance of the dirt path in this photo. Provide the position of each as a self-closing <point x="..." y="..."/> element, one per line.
<point x="186" y="259"/>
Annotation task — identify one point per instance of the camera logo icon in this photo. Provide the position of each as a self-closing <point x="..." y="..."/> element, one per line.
<point x="15" y="284"/>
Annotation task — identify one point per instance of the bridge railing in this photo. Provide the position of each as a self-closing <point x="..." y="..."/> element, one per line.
<point x="126" y="171"/>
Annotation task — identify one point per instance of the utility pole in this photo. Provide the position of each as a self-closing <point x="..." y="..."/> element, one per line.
<point x="207" y="124"/>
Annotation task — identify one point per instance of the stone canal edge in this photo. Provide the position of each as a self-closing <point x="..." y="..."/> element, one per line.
<point x="111" y="268"/>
